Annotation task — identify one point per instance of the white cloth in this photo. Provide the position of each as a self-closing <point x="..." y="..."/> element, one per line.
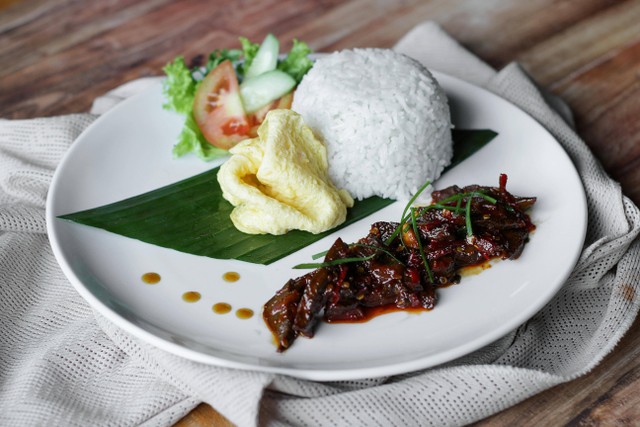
<point x="62" y="364"/>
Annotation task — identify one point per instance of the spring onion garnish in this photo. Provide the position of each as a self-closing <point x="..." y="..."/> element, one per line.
<point x="334" y="262"/>
<point x="485" y="196"/>
<point x="345" y="260"/>
<point x="468" y="209"/>
<point x="320" y="254"/>
<point x="422" y="254"/>
<point x="377" y="248"/>
<point x="404" y="217"/>
<point x="468" y="217"/>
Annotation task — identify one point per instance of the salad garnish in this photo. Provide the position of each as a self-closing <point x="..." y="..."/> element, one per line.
<point x="224" y="104"/>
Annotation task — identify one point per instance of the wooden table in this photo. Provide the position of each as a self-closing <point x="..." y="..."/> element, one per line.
<point x="56" y="56"/>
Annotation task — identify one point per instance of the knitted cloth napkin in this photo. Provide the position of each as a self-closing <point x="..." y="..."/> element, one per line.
<point x="63" y="364"/>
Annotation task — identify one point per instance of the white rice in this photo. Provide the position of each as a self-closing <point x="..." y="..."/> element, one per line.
<point x="383" y="117"/>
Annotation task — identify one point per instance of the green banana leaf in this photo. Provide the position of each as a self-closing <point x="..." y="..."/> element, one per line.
<point x="192" y="216"/>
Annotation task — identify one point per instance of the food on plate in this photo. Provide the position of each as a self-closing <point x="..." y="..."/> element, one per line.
<point x="381" y="114"/>
<point x="218" y="110"/>
<point x="260" y="91"/>
<point x="399" y="266"/>
<point x="278" y="181"/>
<point x="225" y="100"/>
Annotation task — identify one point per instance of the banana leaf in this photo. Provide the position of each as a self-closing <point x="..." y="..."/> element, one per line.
<point x="192" y="216"/>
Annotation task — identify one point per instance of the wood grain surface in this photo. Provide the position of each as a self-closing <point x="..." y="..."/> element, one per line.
<point x="56" y="56"/>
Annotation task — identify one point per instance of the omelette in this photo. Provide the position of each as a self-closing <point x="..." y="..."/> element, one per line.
<point x="279" y="180"/>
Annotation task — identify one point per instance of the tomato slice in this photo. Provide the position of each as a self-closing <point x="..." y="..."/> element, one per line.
<point x="218" y="110"/>
<point x="257" y="118"/>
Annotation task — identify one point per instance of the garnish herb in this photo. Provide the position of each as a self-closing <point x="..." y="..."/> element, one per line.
<point x="296" y="63"/>
<point x="422" y="254"/>
<point x="377" y="248"/>
<point x="468" y="209"/>
<point x="191" y="140"/>
<point x="319" y="254"/>
<point x="220" y="55"/>
<point x="459" y="199"/>
<point x="179" y="87"/>
<point x="468" y="217"/>
<point x="334" y="262"/>
<point x="404" y="217"/>
<point x="249" y="51"/>
<point x="354" y="259"/>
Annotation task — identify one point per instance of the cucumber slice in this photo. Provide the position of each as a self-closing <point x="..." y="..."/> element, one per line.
<point x="261" y="90"/>
<point x="266" y="59"/>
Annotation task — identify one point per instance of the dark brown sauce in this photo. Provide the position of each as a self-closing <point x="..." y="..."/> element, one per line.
<point x="371" y="312"/>
<point x="191" y="296"/>
<point x="151" y="278"/>
<point x="221" y="308"/>
<point x="231" y="276"/>
<point x="244" y="313"/>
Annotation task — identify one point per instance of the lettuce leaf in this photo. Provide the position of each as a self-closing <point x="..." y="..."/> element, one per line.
<point x="220" y="55"/>
<point x="249" y="51"/>
<point x="191" y="140"/>
<point x="296" y="63"/>
<point x="179" y="87"/>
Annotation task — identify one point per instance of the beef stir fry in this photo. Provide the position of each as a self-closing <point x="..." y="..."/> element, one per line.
<point x="400" y="265"/>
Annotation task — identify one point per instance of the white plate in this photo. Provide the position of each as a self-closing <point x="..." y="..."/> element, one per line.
<point x="128" y="151"/>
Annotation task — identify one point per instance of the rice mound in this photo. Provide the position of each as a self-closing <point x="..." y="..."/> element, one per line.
<point x="384" y="120"/>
